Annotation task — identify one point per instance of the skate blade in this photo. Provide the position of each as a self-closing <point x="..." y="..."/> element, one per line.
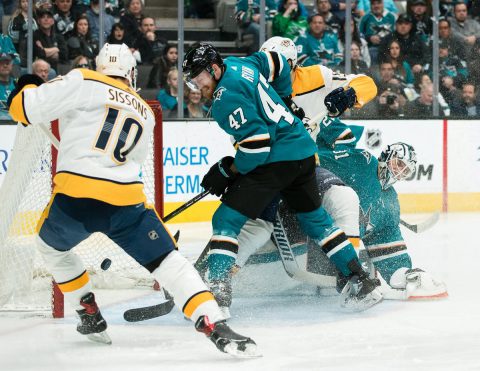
<point x="351" y="304"/>
<point x="249" y="352"/>
<point x="100" y="337"/>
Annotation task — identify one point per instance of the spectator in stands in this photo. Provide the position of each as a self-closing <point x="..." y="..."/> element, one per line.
<point x="376" y="26"/>
<point x="6" y="46"/>
<point x="82" y="62"/>
<point x="448" y="90"/>
<point x="414" y="49"/>
<point x="247" y="15"/>
<point x="64" y="17"/>
<point x="93" y="16"/>
<point x="474" y="64"/>
<point x="422" y="80"/>
<point x="390" y="101"/>
<point x="331" y="20"/>
<point x="357" y="38"/>
<point x="363" y="7"/>
<point x="318" y="46"/>
<point x="7" y="83"/>
<point x="455" y="43"/>
<point x="446" y="7"/>
<point x="41" y="68"/>
<point x="358" y="64"/>
<point x="162" y="67"/>
<point x="468" y="105"/>
<point x="422" y="19"/>
<point x="168" y="96"/>
<point x="452" y="65"/>
<point x="81" y="6"/>
<point x="7" y="7"/>
<point x="148" y="43"/>
<point x="132" y="19"/>
<point x="194" y="106"/>
<point x="338" y="9"/>
<point x="289" y="22"/>
<point x="401" y="69"/>
<point x="117" y="35"/>
<point x="47" y="44"/>
<point x="463" y="26"/>
<point x="81" y="43"/>
<point x="18" y="28"/>
<point x="422" y="107"/>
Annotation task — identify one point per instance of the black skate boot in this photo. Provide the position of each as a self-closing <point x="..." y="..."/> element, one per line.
<point x="225" y="339"/>
<point x="360" y="292"/>
<point x="92" y="323"/>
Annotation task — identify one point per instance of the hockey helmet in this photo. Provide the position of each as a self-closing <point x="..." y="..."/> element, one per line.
<point x="117" y="60"/>
<point x="396" y="162"/>
<point x="283" y="46"/>
<point x="200" y="56"/>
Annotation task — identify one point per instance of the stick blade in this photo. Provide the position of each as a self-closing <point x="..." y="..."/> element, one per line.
<point x="146" y="313"/>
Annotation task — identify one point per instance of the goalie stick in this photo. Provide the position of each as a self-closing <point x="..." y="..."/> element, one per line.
<point x="422" y="226"/>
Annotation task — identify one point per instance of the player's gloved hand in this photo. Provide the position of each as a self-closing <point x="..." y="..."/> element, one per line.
<point x="27" y="79"/>
<point x="296" y="110"/>
<point x="219" y="177"/>
<point x="338" y="100"/>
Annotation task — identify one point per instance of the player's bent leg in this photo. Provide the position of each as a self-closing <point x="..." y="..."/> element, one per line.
<point x="191" y="294"/>
<point x="360" y="292"/>
<point x="343" y="205"/>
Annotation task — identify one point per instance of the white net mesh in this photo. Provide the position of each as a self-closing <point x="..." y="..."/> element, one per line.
<point x="24" y="282"/>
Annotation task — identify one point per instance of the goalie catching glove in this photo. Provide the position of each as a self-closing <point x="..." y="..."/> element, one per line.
<point x="219" y="177"/>
<point x="339" y="100"/>
<point x="24" y="80"/>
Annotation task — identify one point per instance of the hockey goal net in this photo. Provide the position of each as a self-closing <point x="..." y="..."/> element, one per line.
<point x="25" y="285"/>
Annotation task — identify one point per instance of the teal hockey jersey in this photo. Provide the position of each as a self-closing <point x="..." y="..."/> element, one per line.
<point x="380" y="209"/>
<point x="246" y="106"/>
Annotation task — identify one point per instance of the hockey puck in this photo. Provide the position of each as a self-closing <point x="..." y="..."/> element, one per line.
<point x="105" y="264"/>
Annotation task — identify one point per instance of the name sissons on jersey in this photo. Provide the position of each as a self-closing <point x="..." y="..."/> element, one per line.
<point x="128" y="99"/>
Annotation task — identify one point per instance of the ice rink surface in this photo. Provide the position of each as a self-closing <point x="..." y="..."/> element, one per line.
<point x="293" y="331"/>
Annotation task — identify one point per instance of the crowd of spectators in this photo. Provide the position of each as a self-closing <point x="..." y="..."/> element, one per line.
<point x="391" y="41"/>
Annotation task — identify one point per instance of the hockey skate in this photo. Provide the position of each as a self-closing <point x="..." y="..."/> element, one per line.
<point x="416" y="284"/>
<point x="360" y="292"/>
<point x="222" y="291"/>
<point x="92" y="323"/>
<point x="226" y="340"/>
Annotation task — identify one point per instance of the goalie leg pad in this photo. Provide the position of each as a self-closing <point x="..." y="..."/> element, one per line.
<point x="342" y="203"/>
<point x="190" y="293"/>
<point x="68" y="271"/>
<point x="254" y="235"/>
<point x="418" y="284"/>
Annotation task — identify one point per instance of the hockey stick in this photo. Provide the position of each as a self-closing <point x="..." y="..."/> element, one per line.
<point x="422" y="226"/>
<point x="185" y="206"/>
<point x="290" y="262"/>
<point x="49" y="134"/>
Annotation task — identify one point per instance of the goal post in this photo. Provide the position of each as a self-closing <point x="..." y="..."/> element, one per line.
<point x="25" y="284"/>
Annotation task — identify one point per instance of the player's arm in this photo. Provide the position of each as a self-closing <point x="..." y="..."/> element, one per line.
<point x="276" y="70"/>
<point x="238" y="116"/>
<point x="335" y="133"/>
<point x="36" y="104"/>
<point x="347" y="91"/>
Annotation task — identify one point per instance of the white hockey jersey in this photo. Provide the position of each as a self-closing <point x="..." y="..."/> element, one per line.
<point x="105" y="129"/>
<point x="312" y="84"/>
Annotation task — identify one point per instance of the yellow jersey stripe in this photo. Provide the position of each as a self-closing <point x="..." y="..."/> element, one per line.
<point x="307" y="79"/>
<point x="75" y="284"/>
<point x="17" y="108"/>
<point x="195" y="301"/>
<point x="45" y="214"/>
<point x="81" y="186"/>
<point x="355" y="241"/>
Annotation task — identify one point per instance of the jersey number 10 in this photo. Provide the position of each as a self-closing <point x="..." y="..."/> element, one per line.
<point x="120" y="152"/>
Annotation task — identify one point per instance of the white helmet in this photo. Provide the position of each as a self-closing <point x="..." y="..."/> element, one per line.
<point x="117" y="60"/>
<point x="397" y="161"/>
<point x="283" y="46"/>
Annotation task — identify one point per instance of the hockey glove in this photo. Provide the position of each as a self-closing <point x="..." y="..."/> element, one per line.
<point x="27" y="79"/>
<point x="219" y="177"/>
<point x="338" y="100"/>
<point x="296" y="110"/>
